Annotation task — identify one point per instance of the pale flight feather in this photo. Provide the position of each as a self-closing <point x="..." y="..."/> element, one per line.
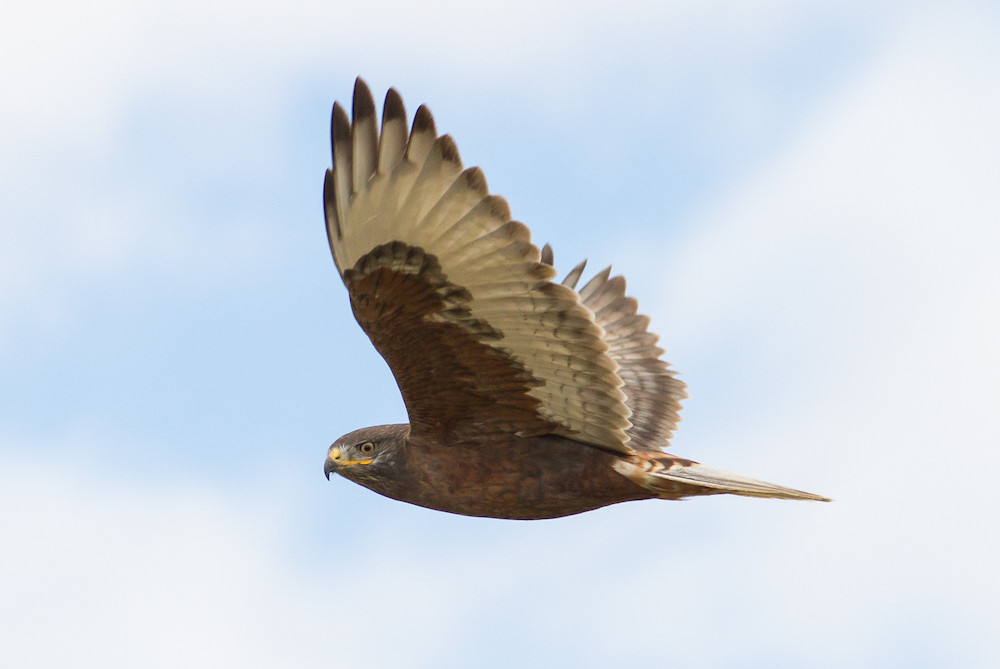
<point x="379" y="193"/>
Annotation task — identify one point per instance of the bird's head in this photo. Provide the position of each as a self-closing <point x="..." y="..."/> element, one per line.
<point x="367" y="456"/>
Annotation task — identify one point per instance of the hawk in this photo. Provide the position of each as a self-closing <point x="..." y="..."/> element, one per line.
<point x="527" y="398"/>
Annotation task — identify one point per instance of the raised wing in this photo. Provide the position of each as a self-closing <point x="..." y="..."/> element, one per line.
<point x="453" y="294"/>
<point x="653" y="392"/>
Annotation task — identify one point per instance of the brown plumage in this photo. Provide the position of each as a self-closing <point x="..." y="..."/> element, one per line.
<point x="526" y="398"/>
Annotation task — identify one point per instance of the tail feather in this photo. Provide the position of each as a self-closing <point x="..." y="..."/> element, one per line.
<point x="736" y="484"/>
<point x="672" y="477"/>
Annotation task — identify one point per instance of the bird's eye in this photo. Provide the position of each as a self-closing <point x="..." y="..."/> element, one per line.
<point x="367" y="448"/>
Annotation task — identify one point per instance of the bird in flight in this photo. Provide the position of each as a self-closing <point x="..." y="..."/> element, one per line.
<point x="527" y="397"/>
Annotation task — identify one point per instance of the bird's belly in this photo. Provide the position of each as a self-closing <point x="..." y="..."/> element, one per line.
<point x="544" y="477"/>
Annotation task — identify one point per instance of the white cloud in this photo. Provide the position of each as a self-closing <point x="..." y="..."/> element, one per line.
<point x="100" y="571"/>
<point x="857" y="274"/>
<point x="87" y="58"/>
<point x="115" y="107"/>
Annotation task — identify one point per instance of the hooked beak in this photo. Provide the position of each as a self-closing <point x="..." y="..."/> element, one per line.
<point x="332" y="462"/>
<point x="335" y="461"/>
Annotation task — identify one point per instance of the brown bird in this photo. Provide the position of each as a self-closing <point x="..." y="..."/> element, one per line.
<point x="527" y="398"/>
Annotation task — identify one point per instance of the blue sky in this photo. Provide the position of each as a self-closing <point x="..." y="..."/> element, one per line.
<point x="803" y="197"/>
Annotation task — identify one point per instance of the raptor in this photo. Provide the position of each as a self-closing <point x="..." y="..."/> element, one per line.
<point x="527" y="397"/>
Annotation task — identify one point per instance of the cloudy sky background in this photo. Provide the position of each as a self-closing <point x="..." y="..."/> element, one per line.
<point x="805" y="197"/>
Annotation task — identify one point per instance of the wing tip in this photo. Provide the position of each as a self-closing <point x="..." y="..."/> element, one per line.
<point x="330" y="205"/>
<point x="340" y="127"/>
<point x="393" y="108"/>
<point x="448" y="149"/>
<point x="423" y="122"/>
<point x="363" y="106"/>
<point x="475" y="180"/>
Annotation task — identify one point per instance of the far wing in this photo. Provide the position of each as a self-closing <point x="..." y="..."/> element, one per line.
<point x="452" y="294"/>
<point x="653" y="392"/>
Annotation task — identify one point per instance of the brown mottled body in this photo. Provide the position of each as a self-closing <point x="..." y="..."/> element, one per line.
<point x="528" y="478"/>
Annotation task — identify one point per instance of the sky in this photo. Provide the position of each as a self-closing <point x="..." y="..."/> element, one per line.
<point x="803" y="196"/>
